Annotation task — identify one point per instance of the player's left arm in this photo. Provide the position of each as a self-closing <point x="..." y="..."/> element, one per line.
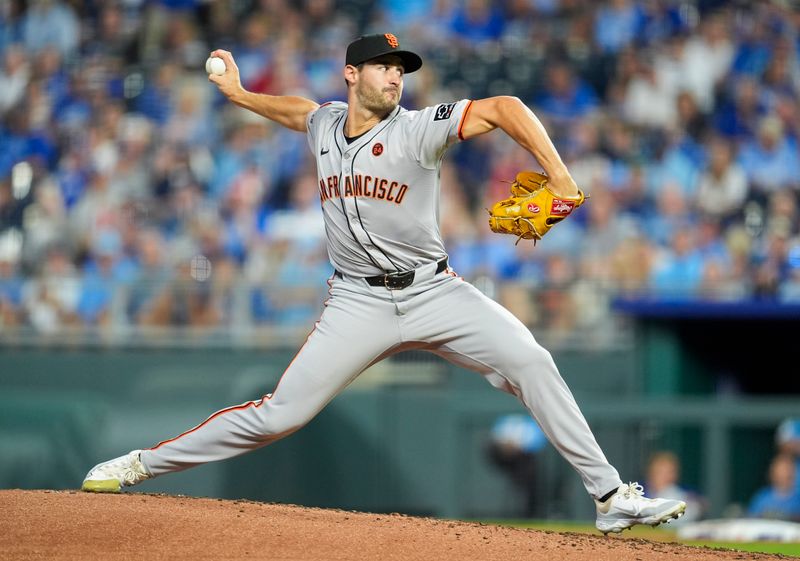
<point x="509" y="114"/>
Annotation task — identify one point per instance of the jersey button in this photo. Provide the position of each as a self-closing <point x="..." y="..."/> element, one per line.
<point x="347" y="155"/>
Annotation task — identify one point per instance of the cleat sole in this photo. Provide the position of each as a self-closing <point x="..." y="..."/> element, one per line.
<point x="101" y="486"/>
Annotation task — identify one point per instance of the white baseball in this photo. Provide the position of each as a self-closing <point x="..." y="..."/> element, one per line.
<point x="215" y="65"/>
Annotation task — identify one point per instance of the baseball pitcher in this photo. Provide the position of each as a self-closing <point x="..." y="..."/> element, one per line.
<point x="392" y="289"/>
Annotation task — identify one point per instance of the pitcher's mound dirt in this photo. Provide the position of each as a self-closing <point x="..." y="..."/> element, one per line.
<point x="60" y="525"/>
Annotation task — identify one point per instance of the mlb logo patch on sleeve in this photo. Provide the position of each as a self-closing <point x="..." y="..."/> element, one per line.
<point x="444" y="111"/>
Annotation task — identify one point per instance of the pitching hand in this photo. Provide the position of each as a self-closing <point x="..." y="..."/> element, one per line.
<point x="228" y="83"/>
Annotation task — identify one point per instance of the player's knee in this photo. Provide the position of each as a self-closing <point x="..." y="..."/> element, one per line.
<point x="527" y="374"/>
<point x="535" y="361"/>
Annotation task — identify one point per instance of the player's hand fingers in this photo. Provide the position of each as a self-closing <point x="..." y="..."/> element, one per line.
<point x="229" y="82"/>
<point x="227" y="57"/>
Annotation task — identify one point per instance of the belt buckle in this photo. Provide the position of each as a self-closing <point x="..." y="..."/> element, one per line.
<point x="398" y="281"/>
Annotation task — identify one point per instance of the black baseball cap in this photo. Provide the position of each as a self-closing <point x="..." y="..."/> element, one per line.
<point x="368" y="47"/>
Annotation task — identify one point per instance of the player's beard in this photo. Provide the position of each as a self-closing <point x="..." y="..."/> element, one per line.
<point x="376" y="100"/>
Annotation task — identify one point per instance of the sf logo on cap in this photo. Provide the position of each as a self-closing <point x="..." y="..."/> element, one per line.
<point x="392" y="40"/>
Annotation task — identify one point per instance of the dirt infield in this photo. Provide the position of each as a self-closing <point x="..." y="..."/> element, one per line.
<point x="70" y="525"/>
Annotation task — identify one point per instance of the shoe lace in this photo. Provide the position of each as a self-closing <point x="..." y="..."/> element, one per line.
<point x="131" y="475"/>
<point x="128" y="473"/>
<point x="633" y="490"/>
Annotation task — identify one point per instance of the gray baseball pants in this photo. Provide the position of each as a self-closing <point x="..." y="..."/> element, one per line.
<point x="362" y="325"/>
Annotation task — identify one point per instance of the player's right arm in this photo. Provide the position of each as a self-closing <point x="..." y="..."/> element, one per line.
<point x="287" y="110"/>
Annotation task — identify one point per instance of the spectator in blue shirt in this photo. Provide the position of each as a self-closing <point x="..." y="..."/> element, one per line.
<point x="658" y="21"/>
<point x="565" y="96"/>
<point x="788" y="441"/>
<point x="617" y="24"/>
<point x="781" y="498"/>
<point x="770" y="161"/>
<point x="740" y="109"/>
<point x="155" y="99"/>
<point x="478" y="21"/>
<point x="50" y="22"/>
<point x="106" y="271"/>
<point x="679" y="273"/>
<point x="754" y="51"/>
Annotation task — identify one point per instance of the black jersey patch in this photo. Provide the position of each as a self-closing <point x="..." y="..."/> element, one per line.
<point x="444" y="111"/>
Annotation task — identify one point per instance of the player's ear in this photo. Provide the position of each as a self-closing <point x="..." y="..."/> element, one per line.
<point x="350" y="74"/>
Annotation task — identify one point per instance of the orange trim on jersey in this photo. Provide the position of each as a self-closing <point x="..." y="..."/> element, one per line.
<point x="256" y="403"/>
<point x="324" y="104"/>
<point x="464" y="119"/>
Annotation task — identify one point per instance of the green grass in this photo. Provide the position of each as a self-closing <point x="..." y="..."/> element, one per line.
<point x="788" y="549"/>
<point x="655" y="534"/>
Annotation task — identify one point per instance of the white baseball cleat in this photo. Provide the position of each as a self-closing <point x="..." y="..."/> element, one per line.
<point x="629" y="507"/>
<point x="113" y="475"/>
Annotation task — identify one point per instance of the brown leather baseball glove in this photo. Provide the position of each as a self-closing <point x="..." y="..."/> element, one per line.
<point x="532" y="209"/>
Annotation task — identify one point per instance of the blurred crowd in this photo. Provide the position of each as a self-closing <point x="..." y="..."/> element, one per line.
<point x="133" y="194"/>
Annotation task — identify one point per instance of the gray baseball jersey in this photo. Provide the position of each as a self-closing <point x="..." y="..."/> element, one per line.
<point x="379" y="195"/>
<point x="380" y="192"/>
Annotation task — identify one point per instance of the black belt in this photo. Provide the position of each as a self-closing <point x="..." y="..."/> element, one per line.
<point x="399" y="279"/>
